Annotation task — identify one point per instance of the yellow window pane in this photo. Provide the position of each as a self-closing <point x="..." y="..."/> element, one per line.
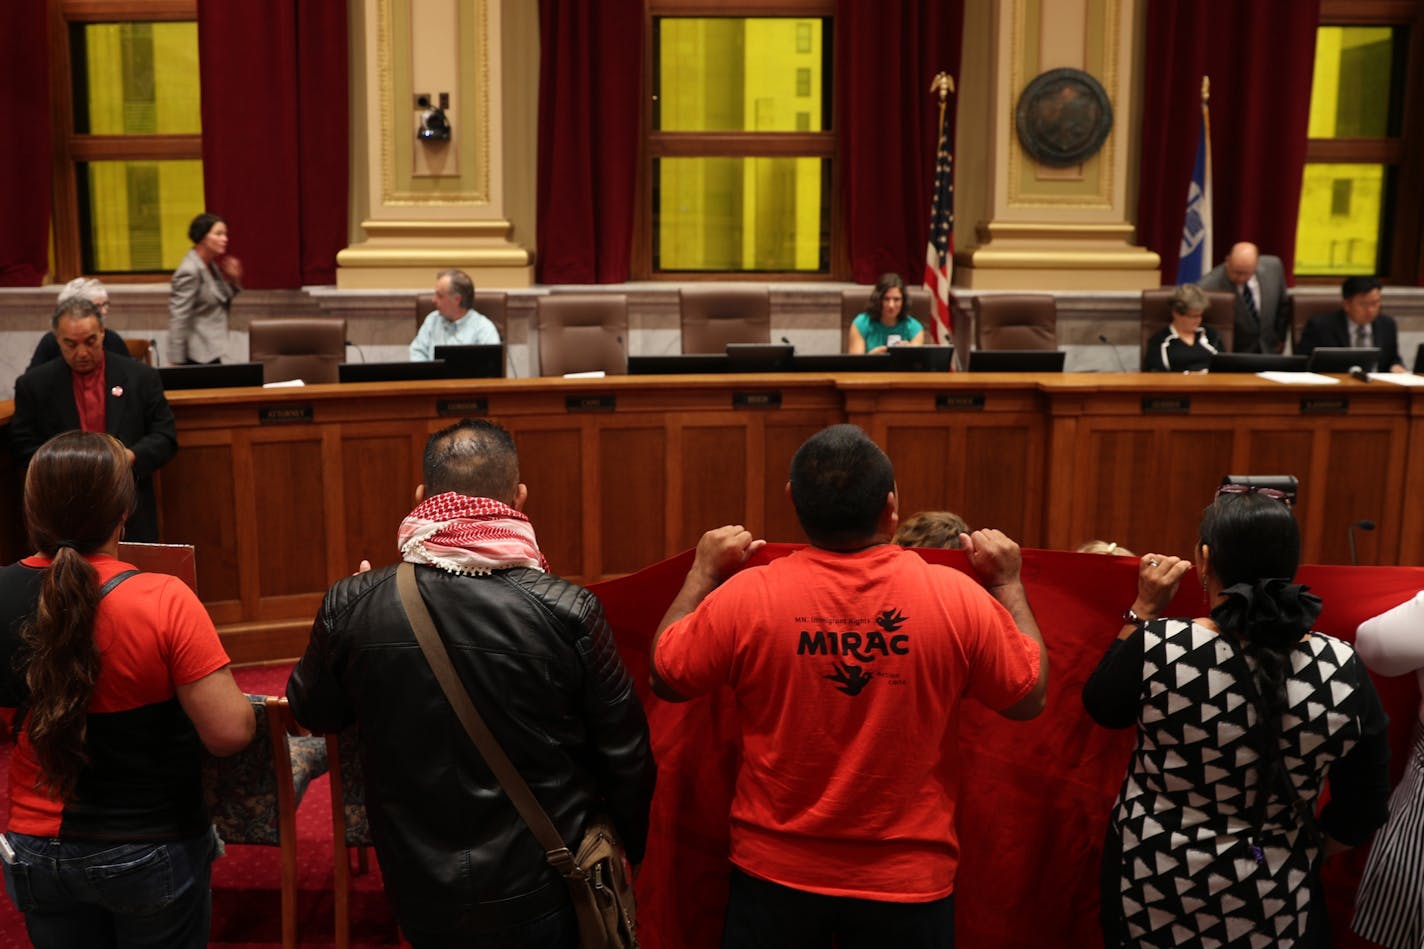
<point x="135" y="214"/>
<point x="735" y="74"/>
<point x="135" y="78"/>
<point x="744" y="214"/>
<point x="1341" y="208"/>
<point x="1352" y="92"/>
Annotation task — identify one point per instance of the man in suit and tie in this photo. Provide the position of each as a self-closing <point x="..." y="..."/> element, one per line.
<point x="97" y="391"/>
<point x="1357" y="324"/>
<point x="1263" y="307"/>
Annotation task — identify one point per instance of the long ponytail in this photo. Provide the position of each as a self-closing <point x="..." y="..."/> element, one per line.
<point x="78" y="491"/>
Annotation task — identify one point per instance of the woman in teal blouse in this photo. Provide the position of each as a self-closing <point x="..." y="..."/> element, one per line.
<point x="885" y="322"/>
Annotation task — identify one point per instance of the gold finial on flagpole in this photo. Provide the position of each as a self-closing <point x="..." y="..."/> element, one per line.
<point x="1206" y="88"/>
<point x="943" y="83"/>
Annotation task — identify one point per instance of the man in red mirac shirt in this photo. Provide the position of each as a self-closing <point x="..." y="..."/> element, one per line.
<point x="847" y="659"/>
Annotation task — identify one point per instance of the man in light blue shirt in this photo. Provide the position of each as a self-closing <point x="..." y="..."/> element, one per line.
<point x="454" y="321"/>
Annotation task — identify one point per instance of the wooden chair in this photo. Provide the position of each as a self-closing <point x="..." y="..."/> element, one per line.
<point x="349" y="824"/>
<point x="1304" y="309"/>
<point x="252" y="796"/>
<point x="140" y="349"/>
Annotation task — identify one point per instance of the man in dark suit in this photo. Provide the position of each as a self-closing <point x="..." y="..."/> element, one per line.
<point x="1263" y="307"/>
<point x="1358" y="323"/>
<point x="97" y="391"/>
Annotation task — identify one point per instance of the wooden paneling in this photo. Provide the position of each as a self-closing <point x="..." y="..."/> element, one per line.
<point x="711" y="492"/>
<point x="551" y="465"/>
<point x="288" y="485"/>
<point x="380" y="467"/>
<point x="197" y="505"/>
<point x="633" y="497"/>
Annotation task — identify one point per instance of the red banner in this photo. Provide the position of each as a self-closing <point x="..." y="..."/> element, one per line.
<point x="1035" y="797"/>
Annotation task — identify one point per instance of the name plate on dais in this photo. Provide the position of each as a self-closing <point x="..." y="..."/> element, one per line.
<point x="1325" y="405"/>
<point x="1166" y="405"/>
<point x="591" y="403"/>
<point x="959" y="402"/>
<point x="285" y="414"/>
<point x="462" y="407"/>
<point x="756" y="400"/>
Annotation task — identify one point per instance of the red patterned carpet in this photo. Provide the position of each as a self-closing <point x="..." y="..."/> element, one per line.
<point x="246" y="896"/>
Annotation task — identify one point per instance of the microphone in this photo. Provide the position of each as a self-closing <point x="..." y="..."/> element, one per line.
<point x="1364" y="526"/>
<point x="358" y="349"/>
<point x="786" y="341"/>
<point x="1357" y="373"/>
<point x="153" y="348"/>
<point x="1121" y="366"/>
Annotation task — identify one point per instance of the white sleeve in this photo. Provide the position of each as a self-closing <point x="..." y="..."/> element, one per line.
<point x="420" y="348"/>
<point x="1392" y="643"/>
<point x="488" y="334"/>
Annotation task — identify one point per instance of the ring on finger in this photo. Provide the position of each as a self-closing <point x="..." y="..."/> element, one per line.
<point x="1151" y="563"/>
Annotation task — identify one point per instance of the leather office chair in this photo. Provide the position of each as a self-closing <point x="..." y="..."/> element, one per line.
<point x="491" y="304"/>
<point x="855" y="300"/>
<point x="714" y="315"/>
<point x="582" y="332"/>
<point x="1016" y="321"/>
<point x="304" y="347"/>
<point x="1157" y="312"/>
<point x="1304" y="309"/>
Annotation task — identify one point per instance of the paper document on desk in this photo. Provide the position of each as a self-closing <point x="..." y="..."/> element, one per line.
<point x="1298" y="378"/>
<point x="595" y="374"/>
<point x="286" y="384"/>
<point x="1398" y="378"/>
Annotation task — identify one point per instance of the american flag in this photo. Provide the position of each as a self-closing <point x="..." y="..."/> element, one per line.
<point x="939" y="253"/>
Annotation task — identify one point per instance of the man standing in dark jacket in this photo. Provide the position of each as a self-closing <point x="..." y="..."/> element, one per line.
<point x="540" y="664"/>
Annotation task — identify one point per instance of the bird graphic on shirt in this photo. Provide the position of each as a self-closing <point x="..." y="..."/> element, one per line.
<point x="852" y="679"/>
<point x="890" y="620"/>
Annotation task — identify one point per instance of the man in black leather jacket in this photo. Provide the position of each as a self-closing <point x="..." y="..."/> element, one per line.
<point x="539" y="662"/>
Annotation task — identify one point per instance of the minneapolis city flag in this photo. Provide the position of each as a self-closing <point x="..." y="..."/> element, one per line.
<point x="1194" y="259"/>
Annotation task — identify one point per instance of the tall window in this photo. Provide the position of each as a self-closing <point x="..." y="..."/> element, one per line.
<point x="740" y="143"/>
<point x="128" y="136"/>
<point x="1361" y="194"/>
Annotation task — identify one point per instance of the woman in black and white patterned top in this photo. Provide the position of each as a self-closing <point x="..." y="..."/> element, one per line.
<point x="1242" y="716"/>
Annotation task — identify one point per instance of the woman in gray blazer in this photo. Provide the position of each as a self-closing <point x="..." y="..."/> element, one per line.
<point x="203" y="287"/>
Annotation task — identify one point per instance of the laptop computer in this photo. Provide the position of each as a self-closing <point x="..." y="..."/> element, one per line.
<point x="1343" y="359"/>
<point x="390" y="371"/>
<point x="472" y="362"/>
<point x="1016" y="360"/>
<point x="1256" y="362"/>
<point x="223" y="375"/>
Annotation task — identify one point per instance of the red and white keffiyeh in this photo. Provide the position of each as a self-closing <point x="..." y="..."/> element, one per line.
<point x="470" y="536"/>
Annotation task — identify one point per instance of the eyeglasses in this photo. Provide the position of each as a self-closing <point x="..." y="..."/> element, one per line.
<point x="1253" y="489"/>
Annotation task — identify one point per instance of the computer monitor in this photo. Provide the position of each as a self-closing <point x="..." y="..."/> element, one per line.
<point x="1343" y="359"/>
<point x="1016" y="360"/>
<point x="1419" y="359"/>
<point x="759" y="357"/>
<point x="673" y="364"/>
<point x="223" y="375"/>
<point x="920" y="358"/>
<point x="390" y="371"/>
<point x="1256" y="362"/>
<point x="472" y="362"/>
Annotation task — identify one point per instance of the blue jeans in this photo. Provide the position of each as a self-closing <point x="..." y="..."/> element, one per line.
<point x="102" y="894"/>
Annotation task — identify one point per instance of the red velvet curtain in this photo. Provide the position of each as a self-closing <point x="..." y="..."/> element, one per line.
<point x="885" y="56"/>
<point x="275" y="133"/>
<point x="1260" y="57"/>
<point x="590" y="113"/>
<point x="24" y="143"/>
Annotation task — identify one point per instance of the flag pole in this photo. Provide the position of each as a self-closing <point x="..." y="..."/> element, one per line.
<point x="943" y="83"/>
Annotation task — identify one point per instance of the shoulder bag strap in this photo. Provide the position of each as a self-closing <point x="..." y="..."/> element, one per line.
<point x="557" y="852"/>
<point x="114" y="581"/>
